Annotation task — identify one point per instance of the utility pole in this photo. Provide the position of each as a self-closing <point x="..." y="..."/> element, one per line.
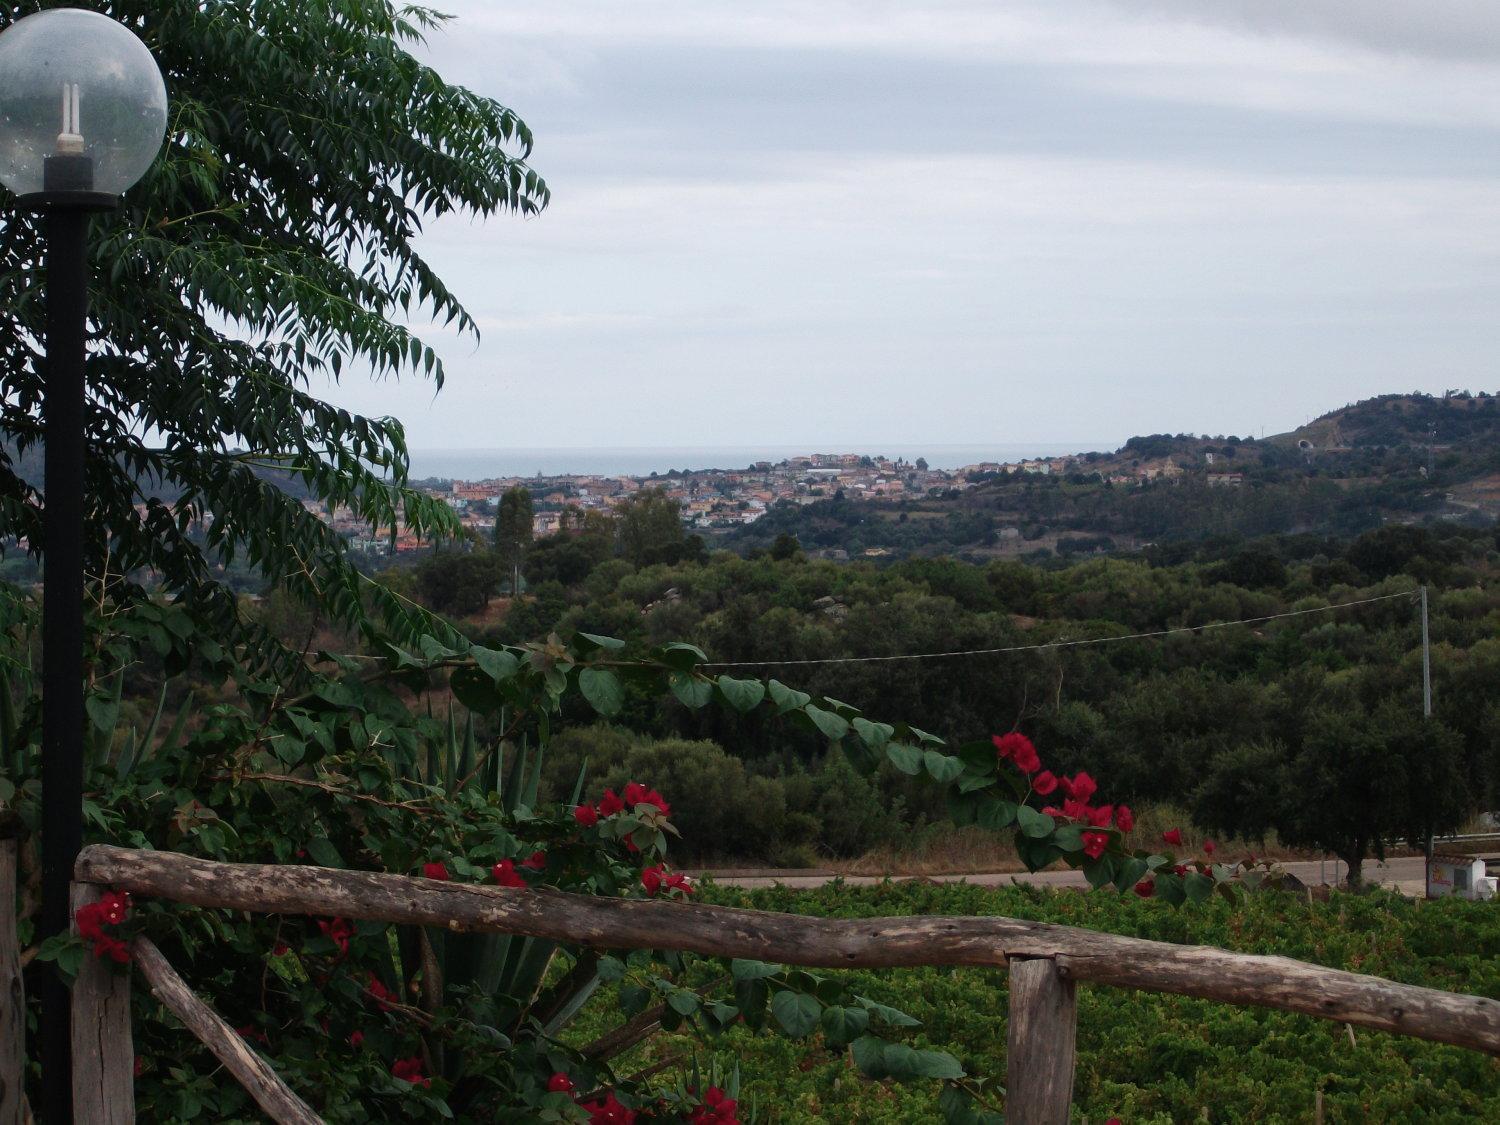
<point x="1426" y="714"/>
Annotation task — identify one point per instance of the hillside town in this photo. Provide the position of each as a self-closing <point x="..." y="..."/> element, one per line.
<point x="711" y="499"/>
<point x="719" y="500"/>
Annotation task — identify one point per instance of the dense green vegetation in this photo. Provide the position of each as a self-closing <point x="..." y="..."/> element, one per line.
<point x="1146" y="1057"/>
<point x="1251" y="725"/>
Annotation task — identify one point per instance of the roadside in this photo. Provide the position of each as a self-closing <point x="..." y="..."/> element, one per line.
<point x="1403" y="874"/>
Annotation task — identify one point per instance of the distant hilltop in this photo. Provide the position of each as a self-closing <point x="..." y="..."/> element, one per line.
<point x="1395" y="458"/>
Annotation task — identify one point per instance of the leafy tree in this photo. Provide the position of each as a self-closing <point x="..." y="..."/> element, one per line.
<point x="272" y="245"/>
<point x="651" y="527"/>
<point x="785" y="547"/>
<point x="458" y="581"/>
<point x="513" y="531"/>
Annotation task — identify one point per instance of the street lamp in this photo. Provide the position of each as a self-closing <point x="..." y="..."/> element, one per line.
<point x="83" y="110"/>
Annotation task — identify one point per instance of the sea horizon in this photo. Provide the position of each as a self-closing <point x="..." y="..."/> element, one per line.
<point x="485" y="464"/>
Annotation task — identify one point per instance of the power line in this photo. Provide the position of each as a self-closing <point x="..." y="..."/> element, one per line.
<point x="1052" y="644"/>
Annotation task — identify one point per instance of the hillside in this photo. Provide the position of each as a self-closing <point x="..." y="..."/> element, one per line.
<point x="1396" y="458"/>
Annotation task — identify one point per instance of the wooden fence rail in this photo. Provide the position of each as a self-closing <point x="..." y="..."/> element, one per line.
<point x="1045" y="960"/>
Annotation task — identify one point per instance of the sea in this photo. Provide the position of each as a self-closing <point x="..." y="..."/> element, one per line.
<point x="642" y="461"/>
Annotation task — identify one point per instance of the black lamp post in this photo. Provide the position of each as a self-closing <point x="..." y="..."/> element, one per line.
<point x="82" y="113"/>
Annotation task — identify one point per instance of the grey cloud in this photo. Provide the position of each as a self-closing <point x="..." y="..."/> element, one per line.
<point x="1449" y="29"/>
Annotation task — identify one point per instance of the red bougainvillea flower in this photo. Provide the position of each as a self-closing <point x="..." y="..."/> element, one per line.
<point x="436" y="871"/>
<point x="380" y="993"/>
<point x="1114" y="1121"/>
<point x="1080" y="786"/>
<point x="718" y="1108"/>
<point x="251" y="1032"/>
<point x="560" y="1083"/>
<point x="1101" y="816"/>
<point x="638" y="794"/>
<point x="1209" y="847"/>
<point x="1124" y="818"/>
<point x="1044" y="782"/>
<point x="1174" y="837"/>
<point x="113" y="948"/>
<point x="140" y="1066"/>
<point x="356" y="1039"/>
<point x="1146" y="888"/>
<point x="410" y="1070"/>
<point x="630" y="845"/>
<point x="1017" y="749"/>
<point x="586" y="815"/>
<point x="1075" y="809"/>
<point x="651" y="878"/>
<point x="338" y="931"/>
<point x="1180" y="868"/>
<point x="610" y="803"/>
<point x="506" y="875"/>
<point x="280" y="949"/>
<point x="1094" y="844"/>
<point x="537" y="861"/>
<point x="608" y="1111"/>
<point x="678" y="883"/>
<point x="116" y="905"/>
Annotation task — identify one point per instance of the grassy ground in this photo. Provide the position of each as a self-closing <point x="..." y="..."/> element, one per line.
<point x="1146" y="1057"/>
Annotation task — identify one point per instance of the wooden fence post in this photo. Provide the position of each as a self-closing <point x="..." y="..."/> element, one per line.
<point x="12" y="994"/>
<point x="103" y="1054"/>
<point x="1043" y="1023"/>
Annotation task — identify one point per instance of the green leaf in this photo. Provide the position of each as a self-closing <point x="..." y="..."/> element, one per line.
<point x="680" y="656"/>
<point x="497" y="664"/>
<point x="833" y="726"/>
<point x="893" y="1016"/>
<point x="1197" y="886"/>
<point x="603" y="690"/>
<point x="1131" y="871"/>
<point x="936" y="1064"/>
<point x="476" y="690"/>
<point x="943" y="767"/>
<point x="1033" y="823"/>
<point x="324" y="853"/>
<point x="1100" y="872"/>
<point x="610" y="969"/>
<point x="611" y="644"/>
<point x="785" y="698"/>
<point x="874" y="735"/>
<point x="996" y="814"/>
<point x="1068" y="837"/>
<point x="693" y="691"/>
<point x="796" y="1012"/>
<point x="742" y="695"/>
<point x="1169" y="889"/>
<point x="923" y="736"/>
<point x="970" y="782"/>
<point x="843" y="1025"/>
<point x="869" y="1055"/>
<point x="907" y="759"/>
<point x="683" y="1001"/>
<point x="752" y="970"/>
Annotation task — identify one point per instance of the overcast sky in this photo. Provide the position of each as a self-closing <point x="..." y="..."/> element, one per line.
<point x="862" y="223"/>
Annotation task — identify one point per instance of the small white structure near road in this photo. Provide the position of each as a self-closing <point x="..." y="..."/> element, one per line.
<point x="1461" y="875"/>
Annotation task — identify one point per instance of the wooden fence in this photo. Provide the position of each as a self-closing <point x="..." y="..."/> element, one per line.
<point x="1045" y="961"/>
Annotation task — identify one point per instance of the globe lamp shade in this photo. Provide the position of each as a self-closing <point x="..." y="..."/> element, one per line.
<point x="82" y="104"/>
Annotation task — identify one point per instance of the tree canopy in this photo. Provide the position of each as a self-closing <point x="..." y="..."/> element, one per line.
<point x="272" y="246"/>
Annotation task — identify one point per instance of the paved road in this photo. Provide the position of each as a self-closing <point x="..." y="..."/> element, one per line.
<point x="1404" y="874"/>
